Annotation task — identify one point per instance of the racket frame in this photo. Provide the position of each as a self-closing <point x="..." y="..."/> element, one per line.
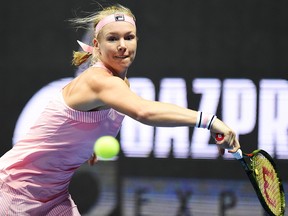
<point x="251" y="175"/>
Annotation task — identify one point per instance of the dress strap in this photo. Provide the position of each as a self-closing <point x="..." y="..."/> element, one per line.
<point x="101" y="65"/>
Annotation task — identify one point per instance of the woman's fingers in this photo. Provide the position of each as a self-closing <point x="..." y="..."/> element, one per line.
<point x="221" y="150"/>
<point x="236" y="146"/>
<point x="227" y="141"/>
<point x="92" y="160"/>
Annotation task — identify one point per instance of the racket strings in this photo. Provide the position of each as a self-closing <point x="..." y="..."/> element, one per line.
<point x="268" y="183"/>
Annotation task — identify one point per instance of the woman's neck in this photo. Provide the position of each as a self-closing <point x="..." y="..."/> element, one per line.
<point x="121" y="75"/>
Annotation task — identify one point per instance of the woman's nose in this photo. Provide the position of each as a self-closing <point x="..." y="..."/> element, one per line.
<point x="122" y="45"/>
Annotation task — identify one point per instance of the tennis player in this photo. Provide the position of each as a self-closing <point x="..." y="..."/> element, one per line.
<point x="35" y="173"/>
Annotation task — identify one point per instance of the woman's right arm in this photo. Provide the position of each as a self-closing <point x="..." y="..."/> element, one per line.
<point x="116" y="94"/>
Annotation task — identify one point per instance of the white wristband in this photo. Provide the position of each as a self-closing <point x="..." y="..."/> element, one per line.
<point x="205" y="120"/>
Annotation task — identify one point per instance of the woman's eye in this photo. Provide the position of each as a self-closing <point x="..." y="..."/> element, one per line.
<point x="112" y="38"/>
<point x="130" y="37"/>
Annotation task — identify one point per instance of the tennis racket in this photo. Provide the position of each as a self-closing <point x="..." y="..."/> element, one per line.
<point x="262" y="173"/>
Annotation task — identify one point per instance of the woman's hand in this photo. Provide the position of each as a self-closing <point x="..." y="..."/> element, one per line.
<point x="92" y="160"/>
<point x="229" y="140"/>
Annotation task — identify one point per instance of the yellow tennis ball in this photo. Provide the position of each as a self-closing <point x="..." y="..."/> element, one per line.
<point x="106" y="147"/>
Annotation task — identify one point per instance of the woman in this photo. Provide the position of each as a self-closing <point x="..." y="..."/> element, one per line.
<point x="35" y="173"/>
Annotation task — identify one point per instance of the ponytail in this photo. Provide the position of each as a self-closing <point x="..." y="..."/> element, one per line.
<point x="80" y="57"/>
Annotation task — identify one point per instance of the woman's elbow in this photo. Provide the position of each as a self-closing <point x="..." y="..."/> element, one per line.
<point x="143" y="115"/>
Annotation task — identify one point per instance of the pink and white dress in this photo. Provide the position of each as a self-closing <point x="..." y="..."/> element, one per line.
<point x="36" y="172"/>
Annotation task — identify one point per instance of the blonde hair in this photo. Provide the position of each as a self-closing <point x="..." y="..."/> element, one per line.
<point x="91" y="21"/>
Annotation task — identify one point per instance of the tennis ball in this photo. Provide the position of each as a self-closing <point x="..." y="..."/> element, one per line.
<point x="106" y="147"/>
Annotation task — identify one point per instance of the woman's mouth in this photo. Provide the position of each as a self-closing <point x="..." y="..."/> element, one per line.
<point x="121" y="57"/>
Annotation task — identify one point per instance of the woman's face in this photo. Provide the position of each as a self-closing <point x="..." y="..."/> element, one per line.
<point x="117" y="45"/>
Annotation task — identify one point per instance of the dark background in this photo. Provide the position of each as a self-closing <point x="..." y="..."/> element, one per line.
<point x="245" y="39"/>
<point x="188" y="38"/>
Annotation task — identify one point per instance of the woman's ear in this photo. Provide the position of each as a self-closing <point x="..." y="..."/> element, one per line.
<point x="95" y="43"/>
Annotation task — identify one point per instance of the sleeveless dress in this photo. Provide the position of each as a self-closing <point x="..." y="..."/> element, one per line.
<point x="36" y="172"/>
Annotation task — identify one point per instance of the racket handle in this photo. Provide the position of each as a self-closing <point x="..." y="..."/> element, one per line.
<point x="238" y="154"/>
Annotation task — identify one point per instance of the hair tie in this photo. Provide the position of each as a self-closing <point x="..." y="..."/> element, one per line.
<point x="87" y="48"/>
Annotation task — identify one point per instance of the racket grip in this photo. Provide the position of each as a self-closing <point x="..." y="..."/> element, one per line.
<point x="238" y="154"/>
